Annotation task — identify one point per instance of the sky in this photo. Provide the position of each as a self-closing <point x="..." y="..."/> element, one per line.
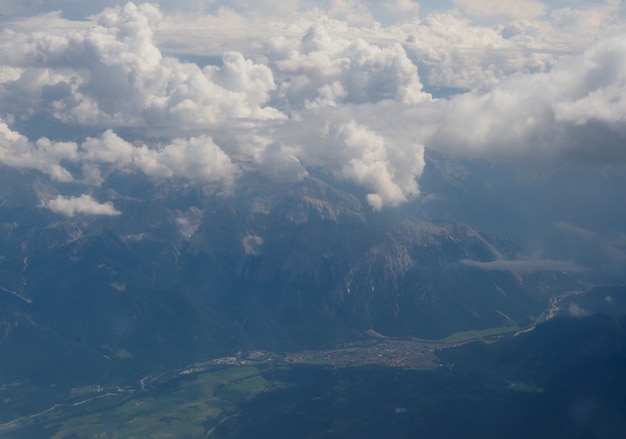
<point x="204" y="91"/>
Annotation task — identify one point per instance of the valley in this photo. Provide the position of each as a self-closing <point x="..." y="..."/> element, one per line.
<point x="440" y="389"/>
<point x="195" y="393"/>
<point x="232" y="369"/>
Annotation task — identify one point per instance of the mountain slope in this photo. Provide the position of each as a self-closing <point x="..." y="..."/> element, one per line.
<point x="187" y="273"/>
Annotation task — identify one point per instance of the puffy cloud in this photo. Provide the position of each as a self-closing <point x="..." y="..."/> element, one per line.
<point x="195" y="158"/>
<point x="311" y="88"/>
<point x="454" y="51"/>
<point x="18" y="152"/>
<point x="574" y="113"/>
<point x="279" y="163"/>
<point x="455" y="48"/>
<point x="112" y="74"/>
<point x="319" y="70"/>
<point x="325" y="82"/>
<point x="85" y="204"/>
<point x="374" y="164"/>
<point x="334" y="141"/>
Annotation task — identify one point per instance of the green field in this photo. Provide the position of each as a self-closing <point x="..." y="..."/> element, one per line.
<point x="186" y="407"/>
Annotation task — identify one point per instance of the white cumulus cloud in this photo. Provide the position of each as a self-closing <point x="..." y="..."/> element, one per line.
<point x="319" y="69"/>
<point x="112" y="74"/>
<point x="574" y="113"/>
<point x="44" y="155"/>
<point x="84" y="204"/>
<point x="185" y="89"/>
<point x="195" y="158"/>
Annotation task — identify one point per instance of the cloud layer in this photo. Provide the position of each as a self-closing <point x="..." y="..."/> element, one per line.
<point x="179" y="90"/>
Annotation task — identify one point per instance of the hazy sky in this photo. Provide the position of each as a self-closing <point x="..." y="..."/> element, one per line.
<point x="189" y="89"/>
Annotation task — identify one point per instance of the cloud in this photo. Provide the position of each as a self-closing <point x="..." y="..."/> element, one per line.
<point x="112" y="74"/>
<point x="44" y="155"/>
<point x="575" y="310"/>
<point x="389" y="171"/>
<point x="501" y="10"/>
<point x="574" y="113"/>
<point x="277" y="162"/>
<point x="85" y="204"/>
<point x="193" y="159"/>
<point x="450" y="49"/>
<point x="196" y="159"/>
<point x="455" y="51"/>
<point x="322" y="70"/>
<point x="334" y="142"/>
<point x="333" y="90"/>
<point x="579" y="232"/>
<point x="525" y="265"/>
<point x="325" y="83"/>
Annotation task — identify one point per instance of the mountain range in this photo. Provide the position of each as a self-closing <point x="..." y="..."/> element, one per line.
<point x="187" y="272"/>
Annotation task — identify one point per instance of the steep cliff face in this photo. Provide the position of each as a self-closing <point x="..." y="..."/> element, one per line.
<point x="412" y="281"/>
<point x="313" y="254"/>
